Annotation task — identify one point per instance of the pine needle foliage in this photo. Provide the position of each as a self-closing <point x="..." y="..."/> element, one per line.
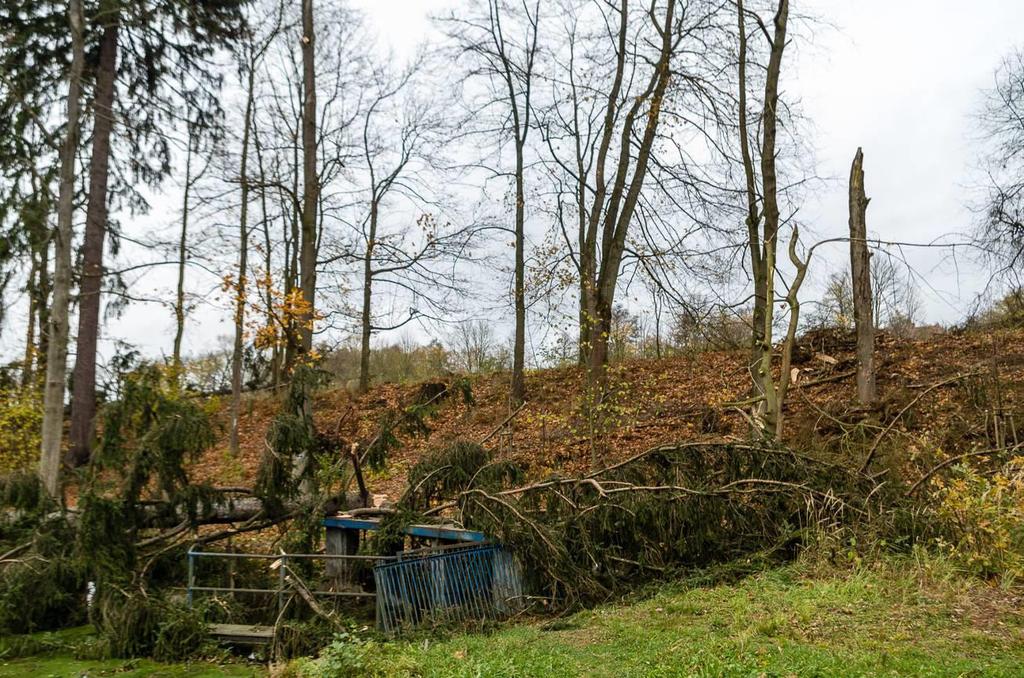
<point x="457" y="468"/>
<point x="45" y="588"/>
<point x="292" y="436"/>
<point x="582" y="540"/>
<point x="23" y="492"/>
<point x="150" y="433"/>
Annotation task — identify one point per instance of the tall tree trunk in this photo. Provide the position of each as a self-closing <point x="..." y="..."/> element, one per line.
<point x="310" y="193"/>
<point x="310" y="205"/>
<point x="38" y="283"/>
<point x="44" y="285"/>
<point x="753" y="217"/>
<point x="83" y="403"/>
<point x="243" y="263"/>
<point x="179" y="299"/>
<point x="268" y="259"/>
<point x="588" y="251"/>
<point x="767" y="409"/>
<point x="519" y="343"/>
<point x="367" y="317"/>
<point x="583" y="349"/>
<point x="291" y="267"/>
<point x="860" y="267"/>
<point x="57" y="343"/>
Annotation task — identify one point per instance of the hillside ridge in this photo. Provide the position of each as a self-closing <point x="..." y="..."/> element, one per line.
<point x="682" y="397"/>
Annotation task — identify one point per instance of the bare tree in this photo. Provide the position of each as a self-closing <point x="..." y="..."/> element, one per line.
<point x="627" y="126"/>
<point x="763" y="227"/>
<point x="193" y="136"/>
<point x="503" y="39"/>
<point x="401" y="128"/>
<point x="1000" y="232"/>
<point x="278" y="137"/>
<point x="473" y="345"/>
<point x="835" y="308"/>
<point x="57" y="347"/>
<point x="253" y="49"/>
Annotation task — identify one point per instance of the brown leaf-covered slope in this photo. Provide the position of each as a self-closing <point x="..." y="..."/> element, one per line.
<point x="687" y="397"/>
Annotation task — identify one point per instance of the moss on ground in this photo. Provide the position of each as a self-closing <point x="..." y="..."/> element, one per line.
<point x="55" y="655"/>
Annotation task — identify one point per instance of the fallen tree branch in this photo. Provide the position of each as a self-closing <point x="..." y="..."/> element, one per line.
<point x="15" y="551"/>
<point x="878" y="439"/>
<point x="295" y="581"/>
<point x="503" y="424"/>
<point x="825" y="380"/>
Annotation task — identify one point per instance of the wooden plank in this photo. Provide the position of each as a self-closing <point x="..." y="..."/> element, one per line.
<point x="245" y="634"/>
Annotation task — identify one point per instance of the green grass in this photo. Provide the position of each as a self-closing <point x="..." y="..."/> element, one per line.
<point x="52" y="655"/>
<point x="67" y="667"/>
<point x="896" y="620"/>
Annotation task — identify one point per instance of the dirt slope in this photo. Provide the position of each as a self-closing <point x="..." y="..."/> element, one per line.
<point x="686" y="397"/>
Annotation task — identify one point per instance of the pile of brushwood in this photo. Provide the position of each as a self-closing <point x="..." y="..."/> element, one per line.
<point x="583" y="539"/>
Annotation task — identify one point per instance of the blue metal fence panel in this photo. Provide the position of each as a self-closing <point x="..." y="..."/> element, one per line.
<point x="451" y="586"/>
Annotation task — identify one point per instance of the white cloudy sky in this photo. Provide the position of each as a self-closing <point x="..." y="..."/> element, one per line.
<point x="899" y="77"/>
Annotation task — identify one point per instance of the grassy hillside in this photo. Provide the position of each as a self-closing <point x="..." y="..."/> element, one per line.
<point x="896" y="619"/>
<point x="909" y="617"/>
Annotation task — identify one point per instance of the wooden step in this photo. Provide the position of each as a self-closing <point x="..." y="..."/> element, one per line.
<point x="242" y="634"/>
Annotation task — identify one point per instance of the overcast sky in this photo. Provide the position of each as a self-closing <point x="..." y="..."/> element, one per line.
<point x="900" y="78"/>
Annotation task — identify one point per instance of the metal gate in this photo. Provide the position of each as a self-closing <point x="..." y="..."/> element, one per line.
<point x="453" y="585"/>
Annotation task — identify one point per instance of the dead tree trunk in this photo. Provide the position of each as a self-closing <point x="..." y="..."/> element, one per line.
<point x="57" y="346"/>
<point x="83" y="402"/>
<point x="860" y="267"/>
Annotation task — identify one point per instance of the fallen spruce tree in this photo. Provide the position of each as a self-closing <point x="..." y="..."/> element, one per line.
<point x="580" y="539"/>
<point x="673" y="507"/>
<point x="116" y="556"/>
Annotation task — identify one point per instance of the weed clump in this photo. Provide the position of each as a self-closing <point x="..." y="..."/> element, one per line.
<point x="43" y="587"/>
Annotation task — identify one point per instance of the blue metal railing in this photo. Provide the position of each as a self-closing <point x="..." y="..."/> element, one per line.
<point x="280" y="564"/>
<point x="455" y="585"/>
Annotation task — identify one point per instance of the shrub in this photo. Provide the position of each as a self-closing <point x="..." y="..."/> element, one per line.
<point x="983" y="517"/>
<point x="140" y="625"/>
<point x="21" y="419"/>
<point x="349" y="656"/>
